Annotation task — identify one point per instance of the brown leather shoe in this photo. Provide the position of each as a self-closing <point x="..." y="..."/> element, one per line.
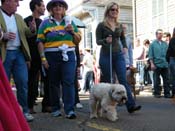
<point x="47" y="109"/>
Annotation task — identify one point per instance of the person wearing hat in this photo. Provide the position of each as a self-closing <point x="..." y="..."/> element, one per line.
<point x="88" y="67"/>
<point x="56" y="44"/>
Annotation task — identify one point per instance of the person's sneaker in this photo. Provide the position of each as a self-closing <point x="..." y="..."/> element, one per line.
<point x="79" y="106"/>
<point x="134" y="108"/>
<point x="56" y="113"/>
<point x="28" y="117"/>
<point x="71" y="115"/>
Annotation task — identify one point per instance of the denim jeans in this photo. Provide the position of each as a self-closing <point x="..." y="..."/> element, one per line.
<point x="165" y="75"/>
<point x="88" y="80"/>
<point x="172" y="70"/>
<point x="119" y="67"/>
<point x="62" y="73"/>
<point x="16" y="64"/>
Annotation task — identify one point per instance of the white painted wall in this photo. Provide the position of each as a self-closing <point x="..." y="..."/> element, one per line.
<point x="147" y="24"/>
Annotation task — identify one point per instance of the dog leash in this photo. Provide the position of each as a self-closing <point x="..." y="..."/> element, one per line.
<point x="111" y="79"/>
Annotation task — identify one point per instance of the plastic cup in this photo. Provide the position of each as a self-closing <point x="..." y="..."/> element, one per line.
<point x="68" y="20"/>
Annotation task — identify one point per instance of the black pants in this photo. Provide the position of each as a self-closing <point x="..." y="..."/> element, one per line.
<point x="33" y="74"/>
<point x="89" y="80"/>
<point x="147" y="79"/>
<point x="165" y="75"/>
<point x="77" y="99"/>
<point x="46" y="98"/>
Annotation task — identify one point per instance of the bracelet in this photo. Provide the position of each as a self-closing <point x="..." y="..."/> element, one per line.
<point x="43" y="58"/>
<point x="2" y="35"/>
<point x="42" y="54"/>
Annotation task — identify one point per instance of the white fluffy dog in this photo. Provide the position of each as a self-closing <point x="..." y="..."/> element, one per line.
<point x="104" y="98"/>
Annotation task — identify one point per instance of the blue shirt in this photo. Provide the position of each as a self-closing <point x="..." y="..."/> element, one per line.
<point x="128" y="55"/>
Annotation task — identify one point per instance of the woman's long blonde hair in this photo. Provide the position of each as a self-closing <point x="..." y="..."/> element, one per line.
<point x="106" y="14"/>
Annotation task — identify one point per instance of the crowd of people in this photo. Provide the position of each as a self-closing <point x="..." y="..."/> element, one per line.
<point x="34" y="50"/>
<point x="154" y="64"/>
<point x="30" y="53"/>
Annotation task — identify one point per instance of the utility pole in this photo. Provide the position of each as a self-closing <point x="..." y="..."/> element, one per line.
<point x="134" y="21"/>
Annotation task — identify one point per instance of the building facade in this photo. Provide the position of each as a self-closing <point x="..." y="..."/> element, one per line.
<point x="91" y="13"/>
<point x="149" y="15"/>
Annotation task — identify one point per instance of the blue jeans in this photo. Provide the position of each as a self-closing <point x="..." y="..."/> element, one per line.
<point x="62" y="73"/>
<point x="119" y="67"/>
<point x="172" y="70"/>
<point x="16" y="64"/>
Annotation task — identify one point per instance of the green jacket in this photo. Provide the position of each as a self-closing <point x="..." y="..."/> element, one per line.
<point x="23" y="32"/>
<point x="157" y="53"/>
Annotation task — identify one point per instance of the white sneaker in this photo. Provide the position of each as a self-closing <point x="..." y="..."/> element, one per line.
<point x="79" y="105"/>
<point x="28" y="117"/>
<point x="56" y="113"/>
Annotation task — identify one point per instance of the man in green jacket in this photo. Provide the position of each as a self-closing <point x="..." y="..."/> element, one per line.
<point x="15" y="51"/>
<point x="157" y="57"/>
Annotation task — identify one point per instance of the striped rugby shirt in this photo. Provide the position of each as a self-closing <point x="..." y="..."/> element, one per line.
<point x="53" y="35"/>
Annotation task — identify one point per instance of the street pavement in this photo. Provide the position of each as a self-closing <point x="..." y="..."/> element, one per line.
<point x="157" y="114"/>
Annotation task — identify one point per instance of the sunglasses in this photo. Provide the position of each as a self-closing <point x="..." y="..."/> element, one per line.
<point x="113" y="9"/>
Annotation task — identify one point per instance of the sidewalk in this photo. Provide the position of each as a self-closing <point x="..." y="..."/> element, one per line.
<point x="157" y="114"/>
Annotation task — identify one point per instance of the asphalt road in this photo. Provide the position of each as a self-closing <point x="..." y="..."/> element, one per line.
<point x="157" y="114"/>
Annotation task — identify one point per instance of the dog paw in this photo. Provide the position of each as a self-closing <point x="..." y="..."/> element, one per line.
<point x="116" y="118"/>
<point x="92" y="116"/>
<point x="113" y="119"/>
